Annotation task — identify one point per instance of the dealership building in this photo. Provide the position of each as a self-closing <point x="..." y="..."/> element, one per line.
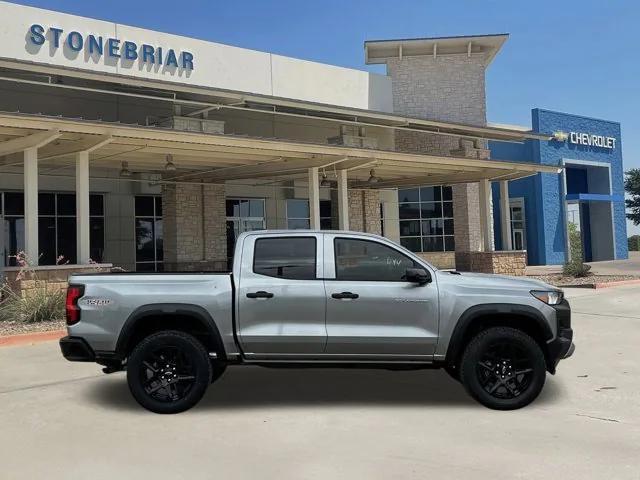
<point x="151" y="151"/>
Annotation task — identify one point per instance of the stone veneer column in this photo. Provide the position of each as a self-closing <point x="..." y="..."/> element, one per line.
<point x="215" y="226"/>
<point x="194" y="227"/>
<point x="364" y="211"/>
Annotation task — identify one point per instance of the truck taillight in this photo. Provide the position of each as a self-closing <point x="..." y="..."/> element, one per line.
<point x="74" y="292"/>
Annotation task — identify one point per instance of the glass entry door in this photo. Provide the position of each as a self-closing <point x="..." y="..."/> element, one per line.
<point x="243" y="215"/>
<point x="518" y="229"/>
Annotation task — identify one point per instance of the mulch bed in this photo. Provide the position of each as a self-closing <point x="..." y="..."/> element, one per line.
<point x="17" y="328"/>
<point x="589" y="281"/>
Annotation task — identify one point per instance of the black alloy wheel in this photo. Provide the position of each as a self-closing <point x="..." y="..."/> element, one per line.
<point x="168" y="372"/>
<point x="503" y="368"/>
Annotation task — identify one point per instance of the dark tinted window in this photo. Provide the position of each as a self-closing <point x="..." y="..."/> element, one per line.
<point x="158" y="206"/>
<point x="66" y="204"/>
<point x="144" y="206"/>
<point x="96" y="205"/>
<point x="46" y="204"/>
<point x="144" y="240"/>
<point x="96" y="238"/>
<point x="14" y="203"/>
<point x="66" y="230"/>
<point x="367" y="260"/>
<point x="293" y="257"/>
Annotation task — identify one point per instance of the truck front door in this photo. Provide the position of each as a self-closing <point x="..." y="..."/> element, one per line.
<point x="281" y="296"/>
<point x="371" y="309"/>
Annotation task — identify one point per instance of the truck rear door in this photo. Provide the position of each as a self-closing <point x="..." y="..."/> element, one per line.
<point x="281" y="296"/>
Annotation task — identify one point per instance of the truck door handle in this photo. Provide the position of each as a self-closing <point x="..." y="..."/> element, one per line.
<point x="260" y="294"/>
<point x="345" y="295"/>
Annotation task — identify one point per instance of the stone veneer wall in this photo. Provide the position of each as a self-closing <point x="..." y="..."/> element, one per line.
<point x="446" y="88"/>
<point x="441" y="260"/>
<point x="194" y="222"/>
<point x="53" y="278"/>
<point x="511" y="262"/>
<point x="364" y="211"/>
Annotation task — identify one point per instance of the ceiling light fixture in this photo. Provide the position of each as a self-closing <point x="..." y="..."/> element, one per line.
<point x="372" y="177"/>
<point x="325" y="181"/>
<point x="170" y="166"/>
<point x="124" y="171"/>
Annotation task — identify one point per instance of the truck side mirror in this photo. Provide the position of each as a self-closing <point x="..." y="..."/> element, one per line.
<point x="417" y="275"/>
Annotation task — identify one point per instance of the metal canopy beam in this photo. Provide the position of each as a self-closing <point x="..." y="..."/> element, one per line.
<point x="35" y="140"/>
<point x="70" y="148"/>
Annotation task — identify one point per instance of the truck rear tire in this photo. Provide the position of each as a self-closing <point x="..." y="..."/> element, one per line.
<point x="168" y="372"/>
<point x="503" y="368"/>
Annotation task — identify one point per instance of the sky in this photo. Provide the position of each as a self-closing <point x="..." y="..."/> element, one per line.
<point x="575" y="56"/>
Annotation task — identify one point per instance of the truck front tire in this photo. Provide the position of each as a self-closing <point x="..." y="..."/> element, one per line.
<point x="503" y="368"/>
<point x="168" y="372"/>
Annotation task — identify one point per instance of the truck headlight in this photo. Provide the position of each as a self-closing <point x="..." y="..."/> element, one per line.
<point x="550" y="297"/>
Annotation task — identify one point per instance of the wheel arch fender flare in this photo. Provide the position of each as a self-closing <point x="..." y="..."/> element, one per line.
<point x="477" y="313"/>
<point x="148" y="312"/>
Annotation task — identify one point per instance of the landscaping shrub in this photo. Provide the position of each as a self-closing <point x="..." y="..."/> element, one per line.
<point x="634" y="243"/>
<point x="575" y="267"/>
<point x="37" y="305"/>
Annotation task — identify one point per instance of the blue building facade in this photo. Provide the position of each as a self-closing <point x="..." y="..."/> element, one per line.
<point x="589" y="192"/>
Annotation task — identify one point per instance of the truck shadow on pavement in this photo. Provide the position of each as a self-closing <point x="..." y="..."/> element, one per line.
<point x="255" y="387"/>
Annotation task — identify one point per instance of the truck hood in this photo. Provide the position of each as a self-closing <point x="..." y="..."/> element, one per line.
<point x="492" y="280"/>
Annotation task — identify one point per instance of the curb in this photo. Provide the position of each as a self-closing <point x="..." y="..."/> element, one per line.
<point x="616" y="284"/>
<point x="619" y="283"/>
<point x="31" y="338"/>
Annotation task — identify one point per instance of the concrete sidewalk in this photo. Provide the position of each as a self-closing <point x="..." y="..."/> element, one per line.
<point x="62" y="420"/>
<point x="631" y="266"/>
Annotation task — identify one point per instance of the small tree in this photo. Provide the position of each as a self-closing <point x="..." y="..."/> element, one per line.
<point x="632" y="187"/>
<point x="575" y="266"/>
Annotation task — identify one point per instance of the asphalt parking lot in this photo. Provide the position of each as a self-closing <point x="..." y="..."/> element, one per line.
<point x="67" y="420"/>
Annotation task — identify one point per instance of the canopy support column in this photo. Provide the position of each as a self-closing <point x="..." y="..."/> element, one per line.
<point x="505" y="215"/>
<point x="343" y="200"/>
<point x="486" y="215"/>
<point x="31" y="248"/>
<point x="83" y="254"/>
<point x="314" y="199"/>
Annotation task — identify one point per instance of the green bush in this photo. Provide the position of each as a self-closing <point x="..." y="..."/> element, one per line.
<point x="575" y="267"/>
<point x="634" y="243"/>
<point x="37" y="305"/>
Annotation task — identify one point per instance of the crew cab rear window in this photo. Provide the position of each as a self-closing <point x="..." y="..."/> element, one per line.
<point x="293" y="258"/>
<point x="365" y="260"/>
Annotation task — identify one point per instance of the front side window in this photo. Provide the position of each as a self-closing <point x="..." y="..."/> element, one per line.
<point x="366" y="260"/>
<point x="293" y="258"/>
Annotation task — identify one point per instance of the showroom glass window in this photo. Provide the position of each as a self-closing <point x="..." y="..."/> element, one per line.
<point x="299" y="217"/>
<point x="243" y="215"/>
<point x="426" y="219"/>
<point x="56" y="227"/>
<point x="148" y="219"/>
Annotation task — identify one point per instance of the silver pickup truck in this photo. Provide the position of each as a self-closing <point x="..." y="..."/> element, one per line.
<point x="318" y="298"/>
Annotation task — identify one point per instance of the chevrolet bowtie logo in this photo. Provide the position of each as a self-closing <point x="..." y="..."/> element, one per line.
<point x="560" y="136"/>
